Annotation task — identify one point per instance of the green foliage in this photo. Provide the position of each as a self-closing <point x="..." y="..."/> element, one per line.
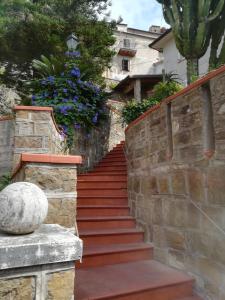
<point x="133" y="109"/>
<point x="4" y="181"/>
<point x="192" y="23"/>
<point x="76" y="103"/>
<point x="29" y="29"/>
<point x="162" y="90"/>
<point x="112" y="85"/>
<point x="48" y="66"/>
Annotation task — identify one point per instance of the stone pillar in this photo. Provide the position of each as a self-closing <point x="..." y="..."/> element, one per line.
<point x="137" y="90"/>
<point x="56" y="175"/>
<point x="39" y="266"/>
<point x="36" y="132"/>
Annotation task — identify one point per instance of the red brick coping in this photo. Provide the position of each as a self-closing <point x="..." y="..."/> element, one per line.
<point x="39" y="108"/>
<point x="185" y="90"/>
<point x="48" y="159"/>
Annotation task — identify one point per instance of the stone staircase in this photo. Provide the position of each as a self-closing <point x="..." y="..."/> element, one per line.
<point x="117" y="263"/>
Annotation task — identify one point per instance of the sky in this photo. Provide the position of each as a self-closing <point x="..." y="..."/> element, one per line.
<point x="138" y="14"/>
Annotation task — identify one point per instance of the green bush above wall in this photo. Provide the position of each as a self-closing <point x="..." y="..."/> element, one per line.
<point x="162" y="90"/>
<point x="77" y="103"/>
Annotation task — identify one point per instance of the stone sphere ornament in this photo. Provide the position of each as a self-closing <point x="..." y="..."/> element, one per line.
<point x="23" y="208"/>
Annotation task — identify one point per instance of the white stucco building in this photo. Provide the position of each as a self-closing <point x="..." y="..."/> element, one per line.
<point x="172" y="61"/>
<point x="133" y="55"/>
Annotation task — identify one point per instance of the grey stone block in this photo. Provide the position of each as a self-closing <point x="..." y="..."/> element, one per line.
<point x="49" y="244"/>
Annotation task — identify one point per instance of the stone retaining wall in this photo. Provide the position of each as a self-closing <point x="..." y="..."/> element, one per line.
<point x="6" y="144"/>
<point x="176" y="171"/>
<point x="94" y="145"/>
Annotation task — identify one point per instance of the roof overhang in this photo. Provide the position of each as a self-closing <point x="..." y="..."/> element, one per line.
<point x="127" y="84"/>
<point x="160" y="42"/>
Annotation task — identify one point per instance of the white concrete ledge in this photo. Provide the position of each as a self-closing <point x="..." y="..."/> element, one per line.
<point x="47" y="245"/>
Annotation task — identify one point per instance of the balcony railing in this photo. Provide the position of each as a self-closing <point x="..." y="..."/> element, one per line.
<point x="127" y="48"/>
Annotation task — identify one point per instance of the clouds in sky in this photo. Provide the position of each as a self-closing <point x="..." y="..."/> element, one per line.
<point x="138" y="13"/>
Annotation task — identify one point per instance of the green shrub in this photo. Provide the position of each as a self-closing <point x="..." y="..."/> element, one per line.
<point x="4" y="181"/>
<point x="162" y="90"/>
<point x="76" y="103"/>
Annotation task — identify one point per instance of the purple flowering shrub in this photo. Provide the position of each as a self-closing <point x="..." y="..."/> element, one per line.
<point x="76" y="103"/>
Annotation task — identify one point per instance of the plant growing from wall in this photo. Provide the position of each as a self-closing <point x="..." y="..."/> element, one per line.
<point x="192" y="23"/>
<point x="4" y="181"/>
<point x="162" y="90"/>
<point x="76" y="103"/>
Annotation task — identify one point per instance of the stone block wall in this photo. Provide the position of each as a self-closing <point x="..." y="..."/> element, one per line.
<point x="57" y="177"/>
<point x="6" y="144"/>
<point x="36" y="132"/>
<point x="176" y="171"/>
<point x="94" y="145"/>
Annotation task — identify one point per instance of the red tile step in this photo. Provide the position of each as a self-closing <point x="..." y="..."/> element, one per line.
<point x="110" y="163"/>
<point x="119" y="156"/>
<point x="102" y="192"/>
<point x="110" y="168"/>
<point x="103" y="172"/>
<point x="191" y="298"/>
<point x="121" y="184"/>
<point x="141" y="280"/>
<point x="102" y="201"/>
<point x="119" y="149"/>
<point x="111" y="236"/>
<point x="102" y="211"/>
<point x="114" y="254"/>
<point x="114" y="159"/>
<point x="105" y="222"/>
<point x="100" y="177"/>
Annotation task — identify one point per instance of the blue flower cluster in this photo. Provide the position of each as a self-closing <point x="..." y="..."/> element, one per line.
<point x="75" y="72"/>
<point x="77" y="103"/>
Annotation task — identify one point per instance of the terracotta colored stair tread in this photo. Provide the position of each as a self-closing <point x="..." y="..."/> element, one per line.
<point x="101" y="177"/>
<point x="108" y="173"/>
<point x="109" y="222"/>
<point x="100" y="192"/>
<point x="114" y="159"/>
<point x="103" y="197"/>
<point x="103" y="219"/>
<point x="100" y="249"/>
<point x="101" y="184"/>
<point x="114" y="254"/>
<point x="136" y="280"/>
<point x="108" y="179"/>
<point x="100" y="188"/>
<point x="102" y="210"/>
<point x="103" y="206"/>
<point x="191" y="298"/>
<point x="111" y="236"/>
<point x="110" y="231"/>
<point x="92" y="201"/>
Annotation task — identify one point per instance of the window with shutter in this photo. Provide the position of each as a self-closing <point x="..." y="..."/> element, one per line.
<point x="126" y="43"/>
<point x="125" y="64"/>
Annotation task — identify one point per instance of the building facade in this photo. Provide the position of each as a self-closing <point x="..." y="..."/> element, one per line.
<point x="133" y="55"/>
<point x="172" y="61"/>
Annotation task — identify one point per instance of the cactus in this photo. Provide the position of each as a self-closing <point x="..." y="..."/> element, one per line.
<point x="191" y="22"/>
<point x="218" y="29"/>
